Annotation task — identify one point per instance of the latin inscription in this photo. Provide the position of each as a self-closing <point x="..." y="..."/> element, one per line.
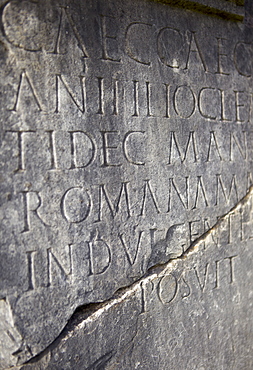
<point x="124" y="140"/>
<point x="159" y="42"/>
<point x="84" y="149"/>
<point x="98" y="253"/>
<point x="177" y="101"/>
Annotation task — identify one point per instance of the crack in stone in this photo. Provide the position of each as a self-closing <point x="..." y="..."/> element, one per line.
<point x="86" y="314"/>
<point x="232" y="11"/>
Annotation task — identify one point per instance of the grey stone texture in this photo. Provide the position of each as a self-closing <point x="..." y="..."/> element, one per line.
<point x="126" y="134"/>
<point x="232" y="9"/>
<point x="193" y="313"/>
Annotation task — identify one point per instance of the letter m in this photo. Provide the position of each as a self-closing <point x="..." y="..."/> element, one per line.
<point x="176" y="152"/>
<point x="113" y="207"/>
<point x="221" y="190"/>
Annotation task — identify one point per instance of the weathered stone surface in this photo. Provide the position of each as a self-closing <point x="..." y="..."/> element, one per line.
<point x="232" y="9"/>
<point x="126" y="132"/>
<point x="194" y="313"/>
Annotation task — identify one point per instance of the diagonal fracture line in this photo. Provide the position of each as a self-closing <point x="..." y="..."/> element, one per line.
<point x="92" y="312"/>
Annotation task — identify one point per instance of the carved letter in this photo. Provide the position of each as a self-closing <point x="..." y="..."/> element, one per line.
<point x="238" y="107"/>
<point x="32" y="203"/>
<point x="220" y="185"/>
<point x="100" y="255"/>
<point x="126" y="152"/>
<point x="175" y="148"/>
<point x="100" y="95"/>
<point x="163" y="49"/>
<point x="231" y="266"/>
<point x="21" y="152"/>
<point x="106" y="148"/>
<point x="21" y="23"/>
<point x="213" y="145"/>
<point x="201" y="99"/>
<point x="106" y="37"/>
<point x="167" y="288"/>
<point x="75" y="205"/>
<point x="223" y="110"/>
<point x="194" y="48"/>
<point x="195" y="228"/>
<point x="240" y="149"/>
<point x="113" y="209"/>
<point x="136" y="98"/>
<point x="244" y="54"/>
<point x="60" y="83"/>
<point x="185" y="201"/>
<point x="57" y="267"/>
<point x="52" y="149"/>
<point x="66" y="17"/>
<point x="200" y="188"/>
<point x="147" y="190"/>
<point x="29" y="87"/>
<point x="203" y="285"/>
<point x="131" y="50"/>
<point x="184" y="101"/>
<point x="82" y="151"/>
<point x="127" y="249"/>
<point x="30" y="267"/>
<point x="220" y="55"/>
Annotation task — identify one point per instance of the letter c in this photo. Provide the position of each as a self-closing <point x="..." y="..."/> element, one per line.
<point x="130" y="49"/>
<point x="125" y="151"/>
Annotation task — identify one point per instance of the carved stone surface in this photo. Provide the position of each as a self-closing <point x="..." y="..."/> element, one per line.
<point x="194" y="313"/>
<point x="126" y="133"/>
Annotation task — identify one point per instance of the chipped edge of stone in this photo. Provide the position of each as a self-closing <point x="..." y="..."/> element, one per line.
<point x="232" y="10"/>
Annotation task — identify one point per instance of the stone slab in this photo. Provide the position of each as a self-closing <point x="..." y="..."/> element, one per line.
<point x="126" y="132"/>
